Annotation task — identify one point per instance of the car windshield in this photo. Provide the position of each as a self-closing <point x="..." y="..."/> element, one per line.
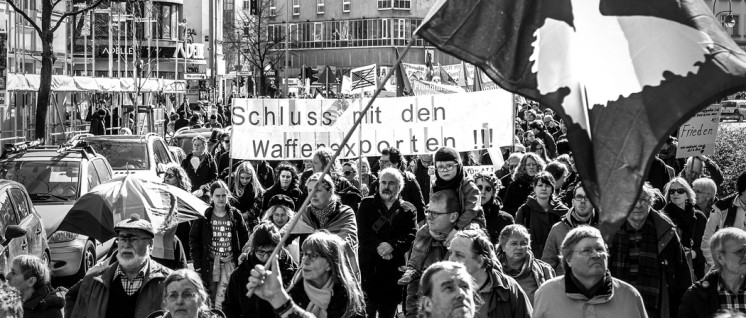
<point x="44" y="181"/>
<point x="127" y="155"/>
<point x="729" y="104"/>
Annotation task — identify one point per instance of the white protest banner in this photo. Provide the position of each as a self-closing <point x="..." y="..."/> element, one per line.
<point x="280" y="129"/>
<point x="473" y="170"/>
<point x="697" y="136"/>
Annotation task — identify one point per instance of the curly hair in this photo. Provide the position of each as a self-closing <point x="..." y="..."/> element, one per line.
<point x="521" y="169"/>
<point x="286" y="166"/>
<point x="181" y="176"/>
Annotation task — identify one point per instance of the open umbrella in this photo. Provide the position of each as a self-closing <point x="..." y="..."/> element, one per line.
<point x="97" y="211"/>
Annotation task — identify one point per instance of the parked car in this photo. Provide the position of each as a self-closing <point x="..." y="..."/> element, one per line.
<point x="143" y="156"/>
<point x="733" y="109"/>
<point x="183" y="137"/>
<point x="55" y="179"/>
<point x="21" y="227"/>
<point x="178" y="153"/>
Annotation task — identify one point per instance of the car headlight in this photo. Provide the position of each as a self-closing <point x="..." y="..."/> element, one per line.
<point x="62" y="236"/>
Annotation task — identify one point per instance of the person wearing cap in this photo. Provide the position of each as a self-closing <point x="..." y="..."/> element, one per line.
<point x="449" y="176"/>
<point x="386" y="228"/>
<point x="131" y="287"/>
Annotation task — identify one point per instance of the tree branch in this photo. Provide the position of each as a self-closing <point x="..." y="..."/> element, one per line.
<point x="74" y="13"/>
<point x="25" y="16"/>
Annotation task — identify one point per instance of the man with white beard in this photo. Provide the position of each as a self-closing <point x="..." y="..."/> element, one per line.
<point x="132" y="287"/>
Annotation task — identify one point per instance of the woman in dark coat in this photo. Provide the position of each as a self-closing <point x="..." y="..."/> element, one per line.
<point x="248" y="193"/>
<point x="287" y="184"/>
<point x="216" y="241"/>
<point x="690" y="222"/>
<point x="488" y="185"/>
<point x="519" y="190"/>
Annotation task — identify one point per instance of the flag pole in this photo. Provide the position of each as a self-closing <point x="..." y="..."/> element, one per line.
<point x="513" y="128"/>
<point x="328" y="166"/>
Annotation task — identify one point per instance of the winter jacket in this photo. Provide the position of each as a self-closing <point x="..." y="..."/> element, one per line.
<point x="293" y="192"/>
<point x="496" y="219"/>
<point x="552" y="247"/>
<point x="236" y="305"/>
<point x="517" y="194"/>
<point x="556" y="299"/>
<point x="423" y="180"/>
<point x="265" y="174"/>
<point x="503" y="297"/>
<point x="690" y="224"/>
<point x="45" y="302"/>
<point x="97" y="125"/>
<point x="411" y="193"/>
<point x="717" y="219"/>
<point x="205" y="173"/>
<point x="250" y="206"/>
<point x="200" y="238"/>
<point x="531" y="276"/>
<point x="436" y="252"/>
<point x="701" y="300"/>
<point x="658" y="175"/>
<point x="539" y="222"/>
<point x="379" y="276"/>
<point x="90" y="296"/>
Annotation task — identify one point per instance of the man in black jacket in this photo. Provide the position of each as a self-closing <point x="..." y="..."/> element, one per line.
<point x="392" y="158"/>
<point x="199" y="165"/>
<point x="386" y="229"/>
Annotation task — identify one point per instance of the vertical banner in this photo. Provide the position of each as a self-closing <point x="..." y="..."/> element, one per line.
<point x="697" y="136"/>
<point x="3" y="60"/>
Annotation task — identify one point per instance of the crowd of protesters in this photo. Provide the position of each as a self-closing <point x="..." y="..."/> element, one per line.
<point x="417" y="237"/>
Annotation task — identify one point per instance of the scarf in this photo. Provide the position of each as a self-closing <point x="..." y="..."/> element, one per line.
<point x="453" y="184"/>
<point x="635" y="261"/>
<point x="319" y="298"/>
<point x="322" y="214"/>
<point x="196" y="161"/>
<point x="516" y="273"/>
<point x="604" y="287"/>
<point x="684" y="220"/>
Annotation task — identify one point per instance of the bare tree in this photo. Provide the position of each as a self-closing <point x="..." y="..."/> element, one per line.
<point x="252" y="40"/>
<point x="46" y="33"/>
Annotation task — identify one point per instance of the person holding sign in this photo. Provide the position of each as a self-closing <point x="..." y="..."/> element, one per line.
<point x="449" y="176"/>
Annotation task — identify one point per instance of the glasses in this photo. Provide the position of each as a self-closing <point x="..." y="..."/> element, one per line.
<point x="347" y="173"/>
<point x="129" y="239"/>
<point x="170" y="175"/>
<point x="740" y="253"/>
<point x="310" y="256"/>
<point x="486" y="188"/>
<point x="580" y="197"/>
<point x="674" y="191"/>
<point x="432" y="214"/>
<point x="588" y="251"/>
<point x="187" y="295"/>
<point x="446" y="167"/>
<point x="263" y="253"/>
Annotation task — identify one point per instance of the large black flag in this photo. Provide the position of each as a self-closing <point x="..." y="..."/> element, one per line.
<point x="622" y="74"/>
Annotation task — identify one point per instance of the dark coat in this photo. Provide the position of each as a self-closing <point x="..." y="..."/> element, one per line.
<point x="530" y="216"/>
<point x="516" y="194"/>
<point x="236" y="305"/>
<point x="45" y="302"/>
<point x="293" y="192"/>
<point x="206" y="172"/>
<point x="97" y="125"/>
<point x="423" y="180"/>
<point x="200" y="238"/>
<point x="265" y="174"/>
<point x="548" y="142"/>
<point x="505" y="298"/>
<point x="496" y="219"/>
<point x="410" y="193"/>
<point x="379" y="276"/>
<point x="701" y="300"/>
<point x="690" y="224"/>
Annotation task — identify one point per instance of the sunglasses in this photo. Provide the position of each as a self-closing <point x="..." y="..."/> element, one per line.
<point x="674" y="191"/>
<point x="485" y="188"/>
<point x="170" y="175"/>
<point x="227" y="141"/>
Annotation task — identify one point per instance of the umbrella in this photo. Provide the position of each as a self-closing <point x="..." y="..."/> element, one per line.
<point x="97" y="211"/>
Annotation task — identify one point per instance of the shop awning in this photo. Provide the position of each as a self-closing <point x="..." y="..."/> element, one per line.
<point x="64" y="83"/>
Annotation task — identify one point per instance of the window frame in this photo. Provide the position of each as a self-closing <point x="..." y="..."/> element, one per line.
<point x="318" y="36"/>
<point x="346" y="6"/>
<point x="386" y="28"/>
<point x="296" y="7"/>
<point x="320" y="6"/>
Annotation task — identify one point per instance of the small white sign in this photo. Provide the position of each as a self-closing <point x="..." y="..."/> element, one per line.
<point x="195" y="76"/>
<point x="697" y="136"/>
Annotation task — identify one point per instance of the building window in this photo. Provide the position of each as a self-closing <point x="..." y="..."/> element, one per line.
<point x="318" y="31"/>
<point x="320" y="6"/>
<point x="246" y="5"/>
<point x="402" y="4"/>
<point x="384" y="4"/>
<point x="296" y="7"/>
<point x="345" y="5"/>
<point x="272" y="8"/>
<point x="385" y="28"/>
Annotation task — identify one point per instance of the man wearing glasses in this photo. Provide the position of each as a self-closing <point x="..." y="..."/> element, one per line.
<point x="441" y="216"/>
<point x="582" y="213"/>
<point x="647" y="254"/>
<point x="131" y="287"/>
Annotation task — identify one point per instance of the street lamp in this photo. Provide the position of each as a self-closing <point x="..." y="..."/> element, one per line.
<point x="729" y="21"/>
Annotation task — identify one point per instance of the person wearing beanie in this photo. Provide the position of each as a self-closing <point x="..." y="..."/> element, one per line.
<point x="728" y="212"/>
<point x="130" y="287"/>
<point x="449" y="175"/>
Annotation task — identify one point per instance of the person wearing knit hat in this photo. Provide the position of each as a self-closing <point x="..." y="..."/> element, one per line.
<point x="449" y="175"/>
<point x="281" y="210"/>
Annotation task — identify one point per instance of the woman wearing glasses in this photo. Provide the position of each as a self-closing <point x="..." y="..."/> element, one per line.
<point x="488" y="185"/>
<point x="249" y="194"/>
<point x="263" y="241"/>
<point x="514" y="253"/>
<point x="690" y="222"/>
<point x="324" y="287"/>
<point x="185" y="297"/>
<point x="287" y="184"/>
<point x="587" y="286"/>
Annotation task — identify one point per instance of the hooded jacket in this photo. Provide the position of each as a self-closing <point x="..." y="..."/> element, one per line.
<point x="552" y="248"/>
<point x="701" y="300"/>
<point x="539" y="222"/>
<point x="45" y="302"/>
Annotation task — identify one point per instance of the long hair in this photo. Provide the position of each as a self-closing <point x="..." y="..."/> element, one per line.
<point x="271" y="210"/>
<point x="238" y="189"/>
<point x="691" y="197"/>
<point x="193" y="278"/>
<point x="181" y="175"/>
<point x="332" y="248"/>
<point x="520" y="171"/>
<point x="286" y="166"/>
